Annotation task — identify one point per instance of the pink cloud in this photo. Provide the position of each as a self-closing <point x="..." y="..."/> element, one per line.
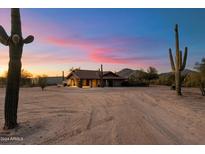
<point x="106" y="55"/>
<point x="68" y="42"/>
<point x="96" y="49"/>
<point x="95" y="54"/>
<point x="103" y="54"/>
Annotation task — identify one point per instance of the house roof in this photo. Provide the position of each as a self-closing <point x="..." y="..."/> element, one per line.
<point x="92" y="74"/>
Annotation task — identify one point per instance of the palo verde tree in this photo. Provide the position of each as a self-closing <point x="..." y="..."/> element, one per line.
<point x="15" y="43"/>
<point x="179" y="64"/>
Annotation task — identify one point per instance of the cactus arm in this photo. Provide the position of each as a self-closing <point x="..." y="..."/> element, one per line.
<point x="185" y="58"/>
<point x="28" y="39"/>
<point x="4" y="38"/>
<point x="171" y="59"/>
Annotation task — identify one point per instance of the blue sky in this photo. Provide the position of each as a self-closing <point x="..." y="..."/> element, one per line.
<point x="117" y="38"/>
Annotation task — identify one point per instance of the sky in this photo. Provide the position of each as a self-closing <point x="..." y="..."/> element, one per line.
<point x="116" y="38"/>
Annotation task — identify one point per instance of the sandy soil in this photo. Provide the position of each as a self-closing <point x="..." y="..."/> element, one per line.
<point x="153" y="115"/>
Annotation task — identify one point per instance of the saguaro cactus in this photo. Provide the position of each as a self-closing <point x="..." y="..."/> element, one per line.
<point x="179" y="64"/>
<point x="101" y="76"/>
<point x="15" y="43"/>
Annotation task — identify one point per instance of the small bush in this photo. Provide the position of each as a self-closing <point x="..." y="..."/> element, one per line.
<point x="200" y="77"/>
<point x="42" y="81"/>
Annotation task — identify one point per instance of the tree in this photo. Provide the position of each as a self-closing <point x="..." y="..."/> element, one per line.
<point x="25" y="77"/>
<point x="15" y="43"/>
<point x="26" y="74"/>
<point x="152" y="73"/>
<point x="200" y="67"/>
<point x="42" y="81"/>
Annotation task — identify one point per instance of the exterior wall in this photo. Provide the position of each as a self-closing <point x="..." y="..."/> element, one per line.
<point x="117" y="83"/>
<point x="112" y="83"/>
<point x="94" y="83"/>
<point x="72" y="82"/>
<point x="90" y="83"/>
<point x="85" y="82"/>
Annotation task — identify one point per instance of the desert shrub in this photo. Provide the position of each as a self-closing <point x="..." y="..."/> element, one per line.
<point x="200" y="77"/>
<point x="42" y="81"/>
<point x="167" y="80"/>
<point x="191" y="80"/>
<point x="138" y="78"/>
<point x="152" y="74"/>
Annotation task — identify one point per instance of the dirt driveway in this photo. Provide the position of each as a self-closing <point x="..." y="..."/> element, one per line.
<point x="152" y="115"/>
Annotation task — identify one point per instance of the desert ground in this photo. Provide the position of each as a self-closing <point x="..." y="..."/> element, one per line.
<point x="151" y="115"/>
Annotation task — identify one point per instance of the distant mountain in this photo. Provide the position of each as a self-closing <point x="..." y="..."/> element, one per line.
<point x="184" y="72"/>
<point x="126" y="72"/>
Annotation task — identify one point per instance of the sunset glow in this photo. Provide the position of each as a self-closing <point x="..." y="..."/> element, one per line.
<point x="116" y="38"/>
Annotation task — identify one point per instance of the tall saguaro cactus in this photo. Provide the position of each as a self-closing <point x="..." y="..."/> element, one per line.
<point x="179" y="64"/>
<point x="15" y="43"/>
